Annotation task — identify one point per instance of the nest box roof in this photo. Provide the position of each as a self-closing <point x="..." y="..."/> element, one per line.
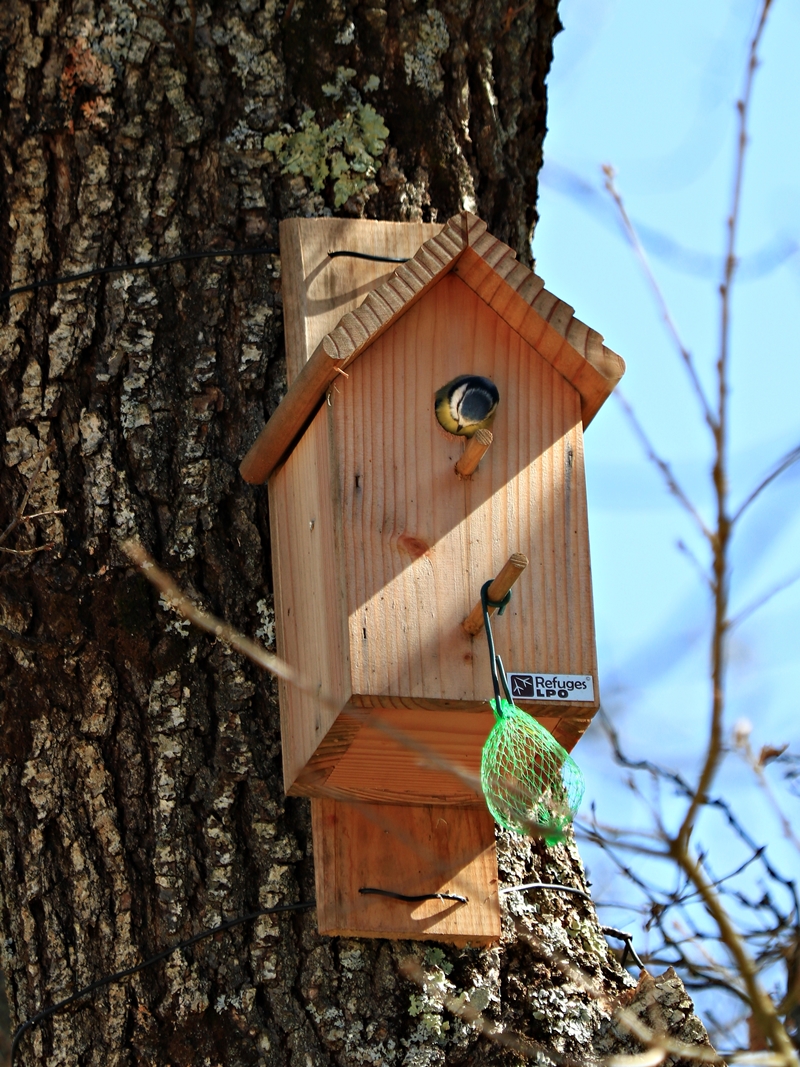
<point x="491" y="270"/>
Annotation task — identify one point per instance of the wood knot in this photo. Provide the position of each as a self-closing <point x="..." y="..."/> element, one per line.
<point x="414" y="546"/>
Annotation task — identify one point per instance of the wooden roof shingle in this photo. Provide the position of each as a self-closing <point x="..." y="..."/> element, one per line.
<point x="490" y="268"/>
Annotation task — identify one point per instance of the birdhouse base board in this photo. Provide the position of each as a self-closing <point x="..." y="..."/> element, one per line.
<point x="411" y="850"/>
<point x="413" y="755"/>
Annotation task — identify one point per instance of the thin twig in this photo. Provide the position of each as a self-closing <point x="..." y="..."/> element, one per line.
<point x="759" y="602"/>
<point x="666" y="471"/>
<point x="762" y="1006"/>
<point x="718" y="803"/>
<point x="698" y="566"/>
<point x="28" y="551"/>
<point x="684" y="352"/>
<point x="20" y="514"/>
<point x="703" y="887"/>
<point x="757" y="768"/>
<point x="791" y="457"/>
<point x="43" y="514"/>
<point x="223" y="631"/>
<point x="232" y="637"/>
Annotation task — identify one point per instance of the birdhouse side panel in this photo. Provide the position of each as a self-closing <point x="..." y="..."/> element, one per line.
<point x="310" y="613"/>
<point x="419" y="542"/>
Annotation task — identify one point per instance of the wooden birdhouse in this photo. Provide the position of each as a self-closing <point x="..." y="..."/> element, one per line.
<point x="381" y="546"/>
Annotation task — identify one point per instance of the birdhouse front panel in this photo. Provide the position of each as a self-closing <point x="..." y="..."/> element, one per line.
<point x="419" y="542"/>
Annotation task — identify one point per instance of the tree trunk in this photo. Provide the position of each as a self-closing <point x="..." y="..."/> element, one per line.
<point x="142" y="799"/>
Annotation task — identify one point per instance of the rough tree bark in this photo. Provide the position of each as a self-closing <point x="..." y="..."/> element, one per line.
<point x="139" y="761"/>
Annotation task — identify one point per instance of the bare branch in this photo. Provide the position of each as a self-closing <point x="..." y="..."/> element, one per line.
<point x="717" y="803"/>
<point x="763" y="1008"/>
<point x="223" y="631"/>
<point x="722" y="534"/>
<point x="43" y="514"/>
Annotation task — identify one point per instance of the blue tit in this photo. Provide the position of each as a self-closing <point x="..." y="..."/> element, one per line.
<point x="466" y="405"/>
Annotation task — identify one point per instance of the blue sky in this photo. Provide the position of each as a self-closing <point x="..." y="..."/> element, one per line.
<point x="650" y="88"/>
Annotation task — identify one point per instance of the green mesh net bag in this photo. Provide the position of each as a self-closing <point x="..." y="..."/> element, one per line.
<point x="531" y="784"/>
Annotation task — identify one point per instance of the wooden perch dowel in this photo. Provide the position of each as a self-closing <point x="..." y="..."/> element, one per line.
<point x="476" y="449"/>
<point x="512" y="569"/>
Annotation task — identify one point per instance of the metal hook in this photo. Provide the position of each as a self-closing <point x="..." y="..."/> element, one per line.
<point x="495" y="663"/>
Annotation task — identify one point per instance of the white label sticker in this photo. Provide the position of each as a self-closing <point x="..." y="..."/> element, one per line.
<point x="546" y="686"/>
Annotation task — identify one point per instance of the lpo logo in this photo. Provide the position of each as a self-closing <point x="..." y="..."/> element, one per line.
<point x="547" y="686"/>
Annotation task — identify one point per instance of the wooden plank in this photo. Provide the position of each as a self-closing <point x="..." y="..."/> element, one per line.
<point x="309" y="598"/>
<point x="360" y="328"/>
<point x="422" y="757"/>
<point x="428" y="757"/>
<point x="312" y="779"/>
<point x="419" y="542"/>
<point x="359" y="760"/>
<point x="318" y="290"/>
<point x="411" y="850"/>
<point x="289" y="419"/>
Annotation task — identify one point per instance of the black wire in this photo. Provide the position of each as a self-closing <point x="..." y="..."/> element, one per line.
<point x="45" y="1013"/>
<point x="503" y="678"/>
<point x="495" y="663"/>
<point x="145" y="264"/>
<point x="414" y="899"/>
<point x="368" y="255"/>
<point x="546" y="885"/>
<point x="149" y="264"/>
<point x="610" y="931"/>
<point x="487" y="625"/>
<point x="623" y="935"/>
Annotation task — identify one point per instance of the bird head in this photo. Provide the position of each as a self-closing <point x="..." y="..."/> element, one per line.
<point x="466" y="404"/>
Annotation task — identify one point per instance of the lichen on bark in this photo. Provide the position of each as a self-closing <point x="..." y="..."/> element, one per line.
<point x="141" y="797"/>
